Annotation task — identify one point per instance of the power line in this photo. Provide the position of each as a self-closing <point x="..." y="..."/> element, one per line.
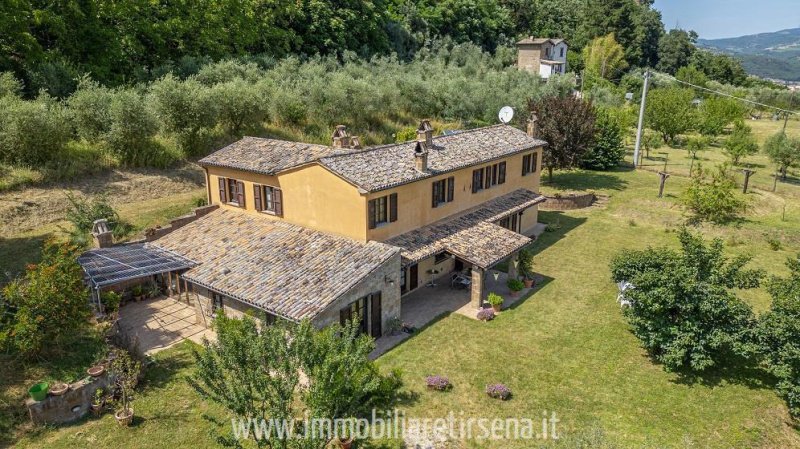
<point x="732" y="96"/>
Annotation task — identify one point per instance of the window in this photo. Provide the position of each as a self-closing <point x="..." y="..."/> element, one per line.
<point x="268" y="199"/>
<point x="368" y="311"/>
<point x="562" y="52"/>
<point x="489" y="176"/>
<point x="441" y="257"/>
<point x="529" y="163"/>
<point x="382" y="210"/>
<point x="231" y="191"/>
<point x="356" y="310"/>
<point x="443" y="191"/>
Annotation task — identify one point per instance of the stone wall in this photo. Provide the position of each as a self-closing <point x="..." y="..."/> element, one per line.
<point x="160" y="231"/>
<point x="70" y="406"/>
<point x="568" y="201"/>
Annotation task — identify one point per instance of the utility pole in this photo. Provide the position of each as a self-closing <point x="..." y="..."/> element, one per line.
<point x="638" y="147"/>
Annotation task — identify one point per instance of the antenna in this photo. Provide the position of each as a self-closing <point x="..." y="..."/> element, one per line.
<point x="506" y="114"/>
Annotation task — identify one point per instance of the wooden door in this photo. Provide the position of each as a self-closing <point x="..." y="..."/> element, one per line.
<point x="413" y="274"/>
<point x="375" y="315"/>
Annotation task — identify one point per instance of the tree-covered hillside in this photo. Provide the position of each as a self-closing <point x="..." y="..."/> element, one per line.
<point x="770" y="55"/>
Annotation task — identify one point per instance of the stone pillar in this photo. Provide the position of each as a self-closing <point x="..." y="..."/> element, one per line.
<point x="512" y="266"/>
<point x="477" y="287"/>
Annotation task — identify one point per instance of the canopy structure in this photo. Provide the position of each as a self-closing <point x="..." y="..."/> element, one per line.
<point x="109" y="266"/>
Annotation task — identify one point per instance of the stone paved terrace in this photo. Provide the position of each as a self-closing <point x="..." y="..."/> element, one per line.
<point x="160" y="323"/>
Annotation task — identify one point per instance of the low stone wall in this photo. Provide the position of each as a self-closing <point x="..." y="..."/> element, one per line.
<point x="568" y="201"/>
<point x="70" y="406"/>
<point x="160" y="231"/>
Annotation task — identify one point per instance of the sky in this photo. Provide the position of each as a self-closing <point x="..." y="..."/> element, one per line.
<point x="713" y="19"/>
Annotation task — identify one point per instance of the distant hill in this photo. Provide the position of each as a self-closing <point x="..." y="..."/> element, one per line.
<point x="769" y="55"/>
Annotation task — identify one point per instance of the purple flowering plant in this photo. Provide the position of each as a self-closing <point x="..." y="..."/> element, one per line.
<point x="438" y="383"/>
<point x="486" y="314"/>
<point x="498" y="391"/>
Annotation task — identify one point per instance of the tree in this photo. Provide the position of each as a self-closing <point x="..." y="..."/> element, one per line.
<point x="9" y="85"/>
<point x="32" y="132"/>
<point x="715" y="113"/>
<point x="682" y="305"/>
<point x="719" y="67"/>
<point x="239" y="104"/>
<point x="567" y="125"/>
<point x="253" y="370"/>
<point x="741" y="143"/>
<point x="713" y="197"/>
<point x="670" y="112"/>
<point x="692" y="75"/>
<point x="608" y="150"/>
<point x="782" y="151"/>
<point x="186" y="109"/>
<point x="604" y="57"/>
<point x="604" y="17"/>
<point x="695" y="145"/>
<point x="49" y="304"/>
<point x="675" y="50"/>
<point x="779" y="335"/>
<point x="648" y="31"/>
<point x="133" y="126"/>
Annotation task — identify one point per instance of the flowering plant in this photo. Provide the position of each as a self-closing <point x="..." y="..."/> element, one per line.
<point x="438" y="383"/>
<point x="498" y="391"/>
<point x="486" y="314"/>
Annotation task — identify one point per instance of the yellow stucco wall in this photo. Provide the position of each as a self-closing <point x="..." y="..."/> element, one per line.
<point x="414" y="208"/>
<point x="312" y="197"/>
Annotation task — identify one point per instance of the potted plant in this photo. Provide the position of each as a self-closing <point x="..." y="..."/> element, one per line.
<point x="98" y="401"/>
<point x="111" y="301"/>
<point x="59" y="388"/>
<point x="138" y="292"/>
<point x="496" y="301"/>
<point x="515" y="285"/>
<point x="346" y="442"/>
<point x="153" y="291"/>
<point x="38" y="392"/>
<point x="126" y="375"/>
<point x="526" y="267"/>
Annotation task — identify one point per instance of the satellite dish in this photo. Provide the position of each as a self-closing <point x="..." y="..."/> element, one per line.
<point x="506" y="114"/>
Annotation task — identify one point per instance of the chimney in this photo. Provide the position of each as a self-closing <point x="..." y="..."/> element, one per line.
<point x="101" y="234"/>
<point x="533" y="125"/>
<point x="421" y="156"/>
<point x="355" y="143"/>
<point x="340" y="137"/>
<point x="425" y="133"/>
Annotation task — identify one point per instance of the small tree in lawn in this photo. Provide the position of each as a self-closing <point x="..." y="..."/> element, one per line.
<point x="779" y="335"/>
<point x="670" y="112"/>
<point x="567" y="125"/>
<point x="783" y="151"/>
<point x="715" y="113"/>
<point x="48" y="305"/>
<point x="125" y="370"/>
<point x="253" y="370"/>
<point x="607" y="151"/>
<point x="695" y="145"/>
<point x="650" y="141"/>
<point x="713" y="196"/>
<point x="741" y="143"/>
<point x="683" y="306"/>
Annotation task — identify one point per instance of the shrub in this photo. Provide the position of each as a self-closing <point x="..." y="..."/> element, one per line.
<point x="486" y="314"/>
<point x="494" y="299"/>
<point x="9" y="85"/>
<point x="133" y="126"/>
<point x="741" y="143"/>
<point x="526" y="263"/>
<point x="32" y="132"/>
<point x="49" y="303"/>
<point x="240" y="105"/>
<point x="515" y="285"/>
<point x="607" y="151"/>
<point x="498" y="391"/>
<point x="187" y="109"/>
<point x="90" y="110"/>
<point x="713" y="197"/>
<point x="438" y="383"/>
<point x="111" y="301"/>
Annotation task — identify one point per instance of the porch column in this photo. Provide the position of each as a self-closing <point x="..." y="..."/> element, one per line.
<point x="476" y="298"/>
<point x="512" y="266"/>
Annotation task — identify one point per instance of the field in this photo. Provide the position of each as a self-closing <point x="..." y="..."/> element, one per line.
<point x="565" y="349"/>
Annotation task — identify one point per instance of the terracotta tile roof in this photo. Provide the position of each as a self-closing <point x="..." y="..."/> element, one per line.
<point x="266" y="156"/>
<point x="539" y="40"/>
<point x="472" y="236"/>
<point x="285" y="269"/>
<point x="386" y="166"/>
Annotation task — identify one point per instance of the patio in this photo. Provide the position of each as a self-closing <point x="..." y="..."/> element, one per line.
<point x="160" y="323"/>
<point x="425" y="304"/>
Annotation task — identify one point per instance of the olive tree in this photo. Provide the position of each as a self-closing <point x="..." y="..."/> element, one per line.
<point x="783" y="151"/>
<point x="670" y="112"/>
<point x="741" y="143"/>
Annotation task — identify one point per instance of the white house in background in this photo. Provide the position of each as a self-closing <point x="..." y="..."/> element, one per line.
<point x="543" y="56"/>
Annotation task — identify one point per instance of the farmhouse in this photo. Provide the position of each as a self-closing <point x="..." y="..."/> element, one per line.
<point x="543" y="56"/>
<point x="302" y="231"/>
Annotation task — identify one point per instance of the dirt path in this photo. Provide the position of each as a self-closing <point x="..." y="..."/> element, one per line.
<point x="33" y="207"/>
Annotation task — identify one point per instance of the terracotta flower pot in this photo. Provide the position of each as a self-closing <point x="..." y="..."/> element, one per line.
<point x="528" y="282"/>
<point x="96" y="370"/>
<point x="124" y="419"/>
<point x="97" y="409"/>
<point x="497" y="307"/>
<point x="514" y="293"/>
<point x="59" y="389"/>
<point x="346" y="443"/>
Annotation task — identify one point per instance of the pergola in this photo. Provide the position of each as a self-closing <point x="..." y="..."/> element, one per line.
<point x="114" y="265"/>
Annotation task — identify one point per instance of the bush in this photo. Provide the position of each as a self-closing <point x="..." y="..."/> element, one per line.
<point x="608" y="150"/>
<point x="32" y="132"/>
<point x="741" y="143"/>
<point x="187" y="109"/>
<point x="485" y="314"/>
<point x="713" y="197"/>
<point x="515" y="285"/>
<point x="526" y="263"/>
<point x="90" y="110"/>
<point x="438" y="383"/>
<point x="498" y="391"/>
<point x="82" y="213"/>
<point x="494" y="299"/>
<point x="133" y="126"/>
<point x="9" y="85"/>
<point x="241" y="105"/>
<point x="49" y="303"/>
<point x="111" y="301"/>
